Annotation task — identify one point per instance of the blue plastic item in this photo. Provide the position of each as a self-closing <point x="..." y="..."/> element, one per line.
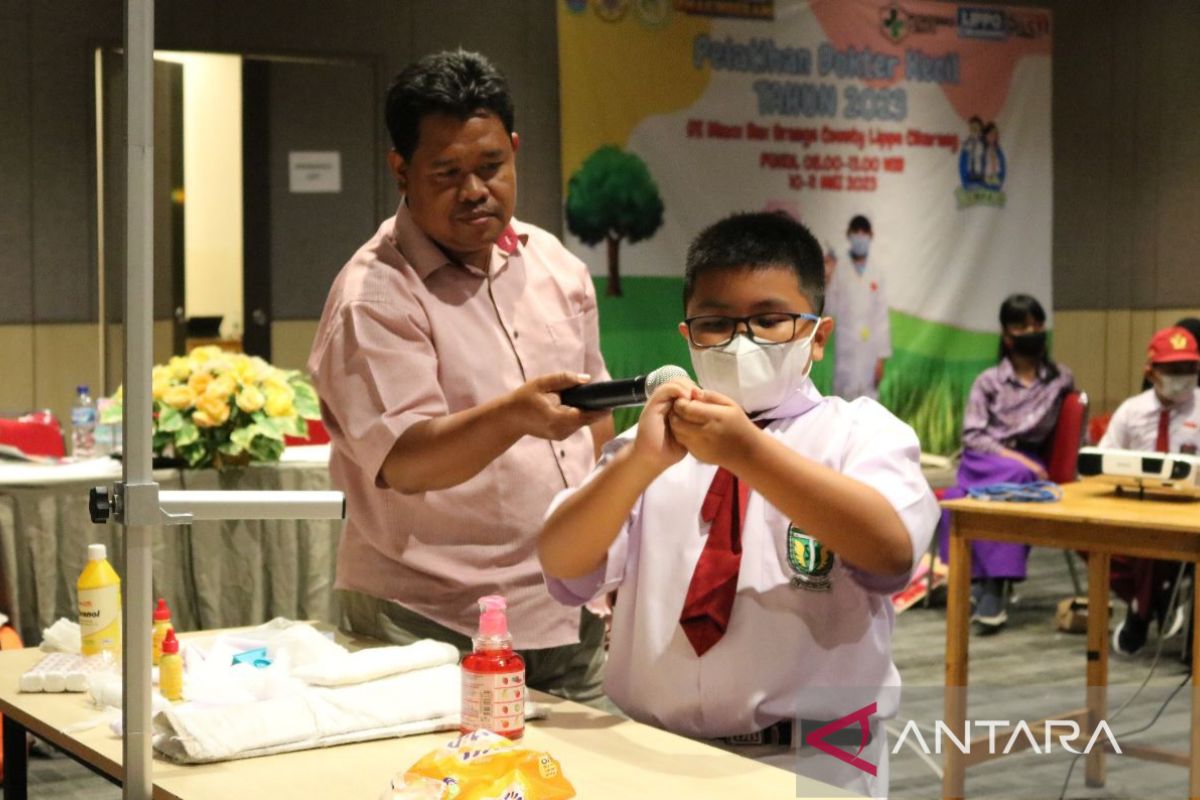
<point x="256" y="658"/>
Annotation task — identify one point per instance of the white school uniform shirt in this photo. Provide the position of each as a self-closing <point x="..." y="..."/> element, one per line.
<point x="857" y="301"/>
<point x="1134" y="426"/>
<point x="785" y="642"/>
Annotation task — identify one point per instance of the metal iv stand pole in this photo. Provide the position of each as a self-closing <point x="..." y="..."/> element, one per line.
<point x="135" y="502"/>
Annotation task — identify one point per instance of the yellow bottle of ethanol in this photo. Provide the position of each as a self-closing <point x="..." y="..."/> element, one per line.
<point x="170" y="669"/>
<point x="99" y="590"/>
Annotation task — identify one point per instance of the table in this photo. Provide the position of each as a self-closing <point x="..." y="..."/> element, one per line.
<point x="213" y="574"/>
<point x="602" y="755"/>
<point x="1092" y="517"/>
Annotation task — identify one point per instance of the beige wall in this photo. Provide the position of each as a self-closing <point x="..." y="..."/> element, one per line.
<point x="44" y="364"/>
<point x="1106" y="349"/>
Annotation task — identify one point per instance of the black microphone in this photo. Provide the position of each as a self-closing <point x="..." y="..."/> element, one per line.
<point x="615" y="394"/>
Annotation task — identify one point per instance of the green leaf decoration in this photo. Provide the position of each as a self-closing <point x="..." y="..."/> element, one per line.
<point x="264" y="449"/>
<point x="187" y="434"/>
<point x="170" y="420"/>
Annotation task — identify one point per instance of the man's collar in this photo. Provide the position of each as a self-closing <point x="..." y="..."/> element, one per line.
<point x="426" y="257"/>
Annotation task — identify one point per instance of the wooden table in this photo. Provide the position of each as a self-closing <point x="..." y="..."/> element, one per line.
<point x="602" y="755"/>
<point x="1092" y="517"/>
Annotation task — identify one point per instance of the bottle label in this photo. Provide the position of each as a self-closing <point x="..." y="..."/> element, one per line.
<point x="100" y="619"/>
<point x="493" y="701"/>
<point x="84" y="415"/>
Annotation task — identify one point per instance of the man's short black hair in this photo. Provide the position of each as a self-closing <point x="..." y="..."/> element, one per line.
<point x="860" y="223"/>
<point x="758" y="240"/>
<point x="455" y="82"/>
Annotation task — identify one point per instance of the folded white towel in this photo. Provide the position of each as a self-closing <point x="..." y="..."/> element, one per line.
<point x="377" y="662"/>
<point x="315" y="717"/>
<point x="407" y="704"/>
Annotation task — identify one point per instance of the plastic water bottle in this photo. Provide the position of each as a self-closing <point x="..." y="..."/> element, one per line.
<point x="83" y="424"/>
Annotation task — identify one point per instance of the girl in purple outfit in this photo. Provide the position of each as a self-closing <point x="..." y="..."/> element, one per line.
<point x="1009" y="419"/>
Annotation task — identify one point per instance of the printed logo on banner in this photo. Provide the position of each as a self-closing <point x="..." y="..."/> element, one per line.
<point x="897" y="23"/>
<point x="982" y="23"/>
<point x="653" y="13"/>
<point x="997" y="24"/>
<point x="982" y="166"/>
<point x="745" y="9"/>
<point x="610" y="10"/>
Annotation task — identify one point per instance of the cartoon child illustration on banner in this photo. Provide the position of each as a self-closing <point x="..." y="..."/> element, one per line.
<point x="857" y="300"/>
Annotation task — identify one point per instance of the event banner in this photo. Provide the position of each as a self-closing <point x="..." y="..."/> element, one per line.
<point x="912" y="138"/>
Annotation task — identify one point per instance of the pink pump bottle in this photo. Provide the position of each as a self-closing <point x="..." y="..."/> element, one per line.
<point x="493" y="676"/>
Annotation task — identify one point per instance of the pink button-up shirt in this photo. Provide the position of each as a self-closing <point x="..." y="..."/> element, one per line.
<point x="407" y="335"/>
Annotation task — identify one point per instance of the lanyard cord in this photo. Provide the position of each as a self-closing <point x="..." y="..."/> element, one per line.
<point x="1037" y="492"/>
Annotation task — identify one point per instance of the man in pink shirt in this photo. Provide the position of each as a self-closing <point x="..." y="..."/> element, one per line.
<point x="440" y="353"/>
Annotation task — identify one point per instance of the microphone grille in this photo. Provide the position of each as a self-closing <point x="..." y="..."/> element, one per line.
<point x="663" y="375"/>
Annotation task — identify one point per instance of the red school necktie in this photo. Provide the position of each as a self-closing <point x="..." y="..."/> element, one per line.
<point x="713" y="587"/>
<point x="1163" y="444"/>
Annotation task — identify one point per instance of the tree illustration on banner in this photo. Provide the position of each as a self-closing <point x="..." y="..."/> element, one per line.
<point x="612" y="198"/>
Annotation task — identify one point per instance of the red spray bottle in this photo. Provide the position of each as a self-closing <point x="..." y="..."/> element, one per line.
<point x="493" y="676"/>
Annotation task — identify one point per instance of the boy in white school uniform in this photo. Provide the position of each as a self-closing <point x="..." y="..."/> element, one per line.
<point x="1164" y="418"/>
<point x="754" y="528"/>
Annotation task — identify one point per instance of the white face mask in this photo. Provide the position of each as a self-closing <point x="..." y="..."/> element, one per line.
<point x="860" y="244"/>
<point x="1176" y="388"/>
<point x="756" y="377"/>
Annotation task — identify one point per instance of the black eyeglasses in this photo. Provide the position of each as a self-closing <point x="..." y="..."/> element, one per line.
<point x="776" y="327"/>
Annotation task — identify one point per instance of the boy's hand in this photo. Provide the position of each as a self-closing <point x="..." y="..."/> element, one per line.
<point x="655" y="445"/>
<point x="712" y="427"/>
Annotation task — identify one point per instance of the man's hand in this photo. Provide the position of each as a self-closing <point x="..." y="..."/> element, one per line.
<point x="655" y="445"/>
<point x="712" y="427"/>
<point x="879" y="368"/>
<point x="536" y="409"/>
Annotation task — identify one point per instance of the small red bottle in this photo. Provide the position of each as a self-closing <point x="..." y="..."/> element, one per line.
<point x="493" y="676"/>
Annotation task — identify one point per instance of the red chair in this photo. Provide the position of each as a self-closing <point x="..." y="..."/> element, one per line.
<point x="1097" y="427"/>
<point x="1062" y="456"/>
<point x="1062" y="451"/>
<point x="36" y="434"/>
<point x="316" y="435"/>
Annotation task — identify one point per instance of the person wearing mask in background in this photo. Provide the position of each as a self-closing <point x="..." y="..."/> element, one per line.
<point x="438" y="360"/>
<point x="1011" y="413"/>
<point x="1192" y="326"/>
<point x="1164" y="419"/>
<point x="857" y="301"/>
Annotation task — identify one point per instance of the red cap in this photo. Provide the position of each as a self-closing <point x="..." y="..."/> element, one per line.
<point x="1171" y="345"/>
<point x="162" y="612"/>
<point x="170" y="644"/>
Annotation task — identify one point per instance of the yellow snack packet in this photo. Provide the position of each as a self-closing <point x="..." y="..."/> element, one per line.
<point x="486" y="766"/>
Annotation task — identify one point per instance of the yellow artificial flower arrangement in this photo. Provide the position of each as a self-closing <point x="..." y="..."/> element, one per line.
<point x="213" y="408"/>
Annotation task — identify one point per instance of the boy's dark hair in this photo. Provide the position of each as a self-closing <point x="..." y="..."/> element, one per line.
<point x="859" y="223"/>
<point x="758" y="240"/>
<point x="1017" y="309"/>
<point x="455" y="82"/>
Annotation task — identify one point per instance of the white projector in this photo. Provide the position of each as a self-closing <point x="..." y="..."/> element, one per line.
<point x="1169" y="473"/>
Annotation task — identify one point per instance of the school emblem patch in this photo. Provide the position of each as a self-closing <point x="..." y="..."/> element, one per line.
<point x="811" y="561"/>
